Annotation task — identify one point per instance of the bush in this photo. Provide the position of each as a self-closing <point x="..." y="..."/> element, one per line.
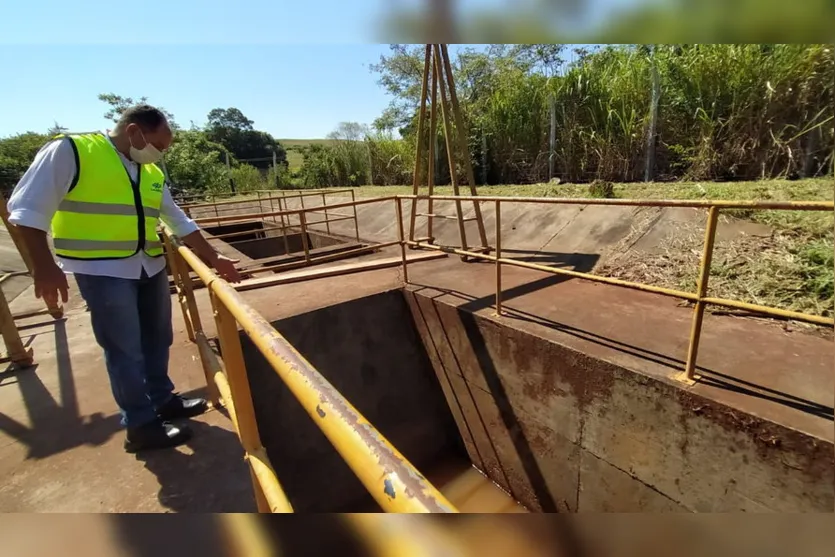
<point x="600" y="189"/>
<point x="246" y="178"/>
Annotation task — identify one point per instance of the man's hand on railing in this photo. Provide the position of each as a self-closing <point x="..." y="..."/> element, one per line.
<point x="225" y="267"/>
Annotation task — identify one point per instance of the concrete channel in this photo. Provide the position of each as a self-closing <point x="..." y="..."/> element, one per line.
<point x="551" y="428"/>
<point x="515" y="413"/>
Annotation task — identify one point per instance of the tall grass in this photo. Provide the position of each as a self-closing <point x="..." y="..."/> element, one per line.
<point x="726" y="112"/>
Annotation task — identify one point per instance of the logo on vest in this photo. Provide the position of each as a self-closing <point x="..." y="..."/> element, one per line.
<point x="156" y="186"/>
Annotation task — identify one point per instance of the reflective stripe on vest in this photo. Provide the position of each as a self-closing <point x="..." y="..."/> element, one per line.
<point x="105" y="215"/>
<point x="99" y="245"/>
<point x="88" y="208"/>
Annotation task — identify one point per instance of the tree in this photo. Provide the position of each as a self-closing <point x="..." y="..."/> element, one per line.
<point x="401" y="74"/>
<point x="230" y="128"/>
<point x="230" y="118"/>
<point x="118" y="104"/>
<point x="195" y="163"/>
<point x="16" y="154"/>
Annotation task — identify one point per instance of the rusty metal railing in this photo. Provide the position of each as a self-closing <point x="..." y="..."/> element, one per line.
<point x="390" y="479"/>
<point x="279" y="198"/>
<point x="699" y="298"/>
<point x="300" y="215"/>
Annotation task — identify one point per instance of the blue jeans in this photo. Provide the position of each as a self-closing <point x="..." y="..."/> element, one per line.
<point x="132" y="323"/>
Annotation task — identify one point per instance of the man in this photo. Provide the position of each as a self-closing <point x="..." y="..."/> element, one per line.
<point x="103" y="196"/>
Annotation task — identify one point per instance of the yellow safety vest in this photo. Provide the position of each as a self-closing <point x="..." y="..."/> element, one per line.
<point x="105" y="215"/>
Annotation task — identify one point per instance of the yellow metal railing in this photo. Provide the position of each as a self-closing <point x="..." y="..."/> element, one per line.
<point x="390" y="479"/>
<point x="300" y="215"/>
<point x="279" y="198"/>
<point x="699" y="297"/>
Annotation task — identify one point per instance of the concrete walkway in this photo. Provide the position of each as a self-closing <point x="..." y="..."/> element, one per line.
<point x="61" y="441"/>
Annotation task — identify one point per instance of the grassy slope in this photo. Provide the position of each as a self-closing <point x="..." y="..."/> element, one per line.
<point x="294" y="155"/>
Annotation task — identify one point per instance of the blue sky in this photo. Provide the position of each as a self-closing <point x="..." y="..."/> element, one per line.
<point x="291" y="91"/>
<point x="297" y="68"/>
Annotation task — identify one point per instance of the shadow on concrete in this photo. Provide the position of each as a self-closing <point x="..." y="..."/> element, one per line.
<point x="487" y="367"/>
<point x="207" y="475"/>
<point x="56" y="424"/>
<point x="580" y="262"/>
<point x="470" y="435"/>
<point x="161" y="536"/>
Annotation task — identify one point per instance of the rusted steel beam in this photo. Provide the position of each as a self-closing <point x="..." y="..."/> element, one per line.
<point x="260" y="216"/>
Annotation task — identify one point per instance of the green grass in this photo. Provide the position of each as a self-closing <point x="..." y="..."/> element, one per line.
<point x="295" y="159"/>
<point x="805" y="190"/>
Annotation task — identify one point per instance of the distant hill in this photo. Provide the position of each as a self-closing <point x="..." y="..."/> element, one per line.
<point x="293" y="148"/>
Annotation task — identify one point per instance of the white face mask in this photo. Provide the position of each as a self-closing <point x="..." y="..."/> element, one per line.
<point x="147" y="155"/>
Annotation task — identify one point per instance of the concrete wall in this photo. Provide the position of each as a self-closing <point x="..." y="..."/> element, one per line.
<point x="562" y="431"/>
<point x="370" y="351"/>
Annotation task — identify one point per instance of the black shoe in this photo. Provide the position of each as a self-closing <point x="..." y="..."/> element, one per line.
<point x="180" y="408"/>
<point x="156" y="435"/>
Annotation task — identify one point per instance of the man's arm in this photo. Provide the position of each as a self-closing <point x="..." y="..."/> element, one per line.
<point x="188" y="231"/>
<point x="32" y="205"/>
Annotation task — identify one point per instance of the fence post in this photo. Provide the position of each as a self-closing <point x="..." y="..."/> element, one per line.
<point x="701" y="292"/>
<point x="303" y="222"/>
<point x="356" y="220"/>
<point x="325" y="209"/>
<point x="233" y="361"/>
<point x="552" y="139"/>
<point x="649" y="170"/>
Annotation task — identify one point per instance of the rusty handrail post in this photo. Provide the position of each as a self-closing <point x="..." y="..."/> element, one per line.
<point x="188" y="304"/>
<point x="179" y="285"/>
<point x="325" y="209"/>
<point x="356" y="220"/>
<point x="56" y="310"/>
<point x="16" y="351"/>
<point x="701" y="292"/>
<point x="498" y="258"/>
<point x="233" y="359"/>
<point x="399" y="207"/>
<point x="282" y="206"/>
<point x="305" y="247"/>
